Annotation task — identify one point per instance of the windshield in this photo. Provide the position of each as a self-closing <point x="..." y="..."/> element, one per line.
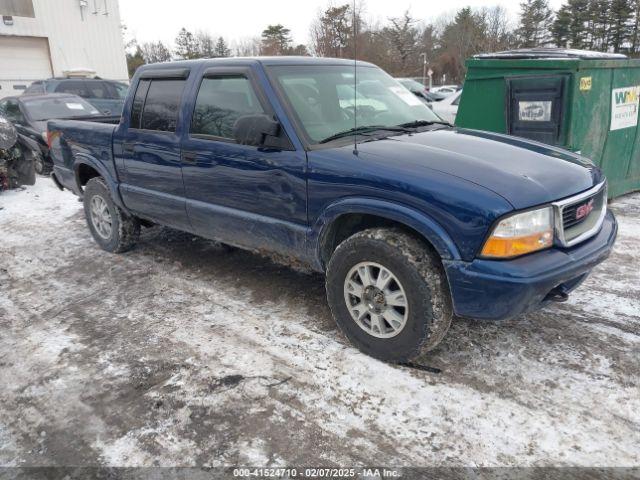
<point x="325" y="101"/>
<point x="412" y="85"/>
<point x="58" y="108"/>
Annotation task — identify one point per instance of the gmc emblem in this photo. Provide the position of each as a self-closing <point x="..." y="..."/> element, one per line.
<point x="584" y="210"/>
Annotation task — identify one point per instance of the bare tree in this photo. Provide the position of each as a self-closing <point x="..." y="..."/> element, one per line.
<point x="248" y="47"/>
<point x="403" y="37"/>
<point x="331" y="32"/>
<point x="498" y="30"/>
<point x="205" y="45"/>
<point x="155" y="52"/>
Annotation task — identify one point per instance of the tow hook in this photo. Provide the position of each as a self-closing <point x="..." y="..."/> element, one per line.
<point x="557" y="295"/>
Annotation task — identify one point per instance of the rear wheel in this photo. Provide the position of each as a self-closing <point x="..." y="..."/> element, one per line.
<point x="112" y="228"/>
<point x="389" y="295"/>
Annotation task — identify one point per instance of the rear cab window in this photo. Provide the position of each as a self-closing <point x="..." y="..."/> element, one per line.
<point x="156" y="104"/>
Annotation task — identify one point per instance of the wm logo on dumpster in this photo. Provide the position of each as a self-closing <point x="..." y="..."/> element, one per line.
<point x="626" y="96"/>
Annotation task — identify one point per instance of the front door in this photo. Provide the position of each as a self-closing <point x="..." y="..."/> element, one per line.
<point x="148" y="153"/>
<point x="244" y="195"/>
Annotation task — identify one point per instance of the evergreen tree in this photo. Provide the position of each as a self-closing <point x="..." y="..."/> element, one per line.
<point x="561" y="28"/>
<point x="276" y="40"/>
<point x="621" y="13"/>
<point x="221" y="49"/>
<point x="599" y="25"/>
<point x="186" y="45"/>
<point x="635" y="28"/>
<point x="536" y="20"/>
<point x="578" y="32"/>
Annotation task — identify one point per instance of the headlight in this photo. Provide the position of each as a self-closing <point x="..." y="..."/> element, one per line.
<point x="45" y="136"/>
<point x="520" y="234"/>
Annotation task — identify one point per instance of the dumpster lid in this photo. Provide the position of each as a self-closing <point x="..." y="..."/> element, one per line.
<point x="550" y="53"/>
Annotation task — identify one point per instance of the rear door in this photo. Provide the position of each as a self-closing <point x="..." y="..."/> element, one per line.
<point x="240" y="194"/>
<point x="147" y="150"/>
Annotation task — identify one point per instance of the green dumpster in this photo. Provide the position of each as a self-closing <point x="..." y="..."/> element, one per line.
<point x="584" y="101"/>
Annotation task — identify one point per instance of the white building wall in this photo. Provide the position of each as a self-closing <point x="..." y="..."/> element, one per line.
<point x="78" y="37"/>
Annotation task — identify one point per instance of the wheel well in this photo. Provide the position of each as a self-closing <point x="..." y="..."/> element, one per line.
<point x="86" y="173"/>
<point x="350" y="224"/>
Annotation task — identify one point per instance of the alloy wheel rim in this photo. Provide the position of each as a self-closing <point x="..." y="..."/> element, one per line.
<point x="376" y="300"/>
<point x="101" y="217"/>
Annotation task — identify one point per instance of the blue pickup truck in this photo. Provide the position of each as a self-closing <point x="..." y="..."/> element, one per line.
<point x="412" y="220"/>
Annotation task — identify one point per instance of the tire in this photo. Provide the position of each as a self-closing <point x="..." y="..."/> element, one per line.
<point x="43" y="168"/>
<point x="416" y="279"/>
<point x="99" y="209"/>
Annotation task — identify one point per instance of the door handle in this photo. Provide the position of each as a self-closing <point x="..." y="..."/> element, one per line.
<point x="128" y="147"/>
<point x="190" y="157"/>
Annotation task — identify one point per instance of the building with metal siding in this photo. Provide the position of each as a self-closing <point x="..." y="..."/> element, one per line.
<point x="44" y="38"/>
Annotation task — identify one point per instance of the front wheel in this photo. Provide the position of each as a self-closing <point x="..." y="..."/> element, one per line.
<point x="389" y="295"/>
<point x="41" y="166"/>
<point x="112" y="228"/>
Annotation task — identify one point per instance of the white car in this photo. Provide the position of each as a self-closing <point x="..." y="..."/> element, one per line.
<point x="446" y="89"/>
<point x="447" y="109"/>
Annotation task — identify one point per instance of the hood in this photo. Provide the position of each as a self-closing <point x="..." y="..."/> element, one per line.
<point x="523" y="172"/>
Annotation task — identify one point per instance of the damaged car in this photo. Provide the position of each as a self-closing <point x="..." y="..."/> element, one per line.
<point x="18" y="155"/>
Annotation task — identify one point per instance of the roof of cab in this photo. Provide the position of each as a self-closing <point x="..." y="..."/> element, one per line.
<point x="248" y="61"/>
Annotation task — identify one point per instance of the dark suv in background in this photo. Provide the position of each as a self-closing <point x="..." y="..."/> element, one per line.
<point x="106" y="95"/>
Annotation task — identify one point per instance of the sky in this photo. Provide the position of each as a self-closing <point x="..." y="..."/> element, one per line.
<point x="150" y="20"/>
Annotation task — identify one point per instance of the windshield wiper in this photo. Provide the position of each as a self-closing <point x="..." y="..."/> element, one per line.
<point x="424" y="123"/>
<point x="364" y="130"/>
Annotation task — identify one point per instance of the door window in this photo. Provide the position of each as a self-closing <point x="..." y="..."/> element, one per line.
<point x="138" y="103"/>
<point x="162" y="103"/>
<point x="221" y="101"/>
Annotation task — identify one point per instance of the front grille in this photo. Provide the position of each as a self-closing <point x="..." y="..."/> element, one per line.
<point x="580" y="217"/>
<point x="574" y="214"/>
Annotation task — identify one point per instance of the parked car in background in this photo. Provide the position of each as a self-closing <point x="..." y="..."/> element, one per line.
<point x="106" y="95"/>
<point x="420" y="91"/>
<point x="446" y="89"/>
<point x="447" y="109"/>
<point x="30" y="114"/>
<point x="419" y="222"/>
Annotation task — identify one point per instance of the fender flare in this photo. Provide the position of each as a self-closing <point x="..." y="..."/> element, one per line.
<point x="422" y="223"/>
<point x="98" y="166"/>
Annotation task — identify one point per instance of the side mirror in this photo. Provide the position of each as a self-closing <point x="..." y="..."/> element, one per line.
<point x="254" y="129"/>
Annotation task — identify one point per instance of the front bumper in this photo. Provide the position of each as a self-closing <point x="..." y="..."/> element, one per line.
<point x="497" y="290"/>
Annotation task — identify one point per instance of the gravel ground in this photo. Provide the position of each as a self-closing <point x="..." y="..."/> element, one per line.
<point x="185" y="353"/>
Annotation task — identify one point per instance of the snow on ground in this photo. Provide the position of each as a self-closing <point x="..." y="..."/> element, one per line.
<point x="185" y="353"/>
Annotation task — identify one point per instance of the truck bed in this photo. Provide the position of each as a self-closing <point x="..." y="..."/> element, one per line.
<point x="87" y="141"/>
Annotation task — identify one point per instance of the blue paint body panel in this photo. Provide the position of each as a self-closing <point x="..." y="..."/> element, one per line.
<point x="449" y="185"/>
